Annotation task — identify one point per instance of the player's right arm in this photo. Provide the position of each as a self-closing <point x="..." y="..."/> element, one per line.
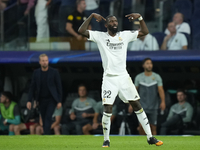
<point x="83" y="28"/>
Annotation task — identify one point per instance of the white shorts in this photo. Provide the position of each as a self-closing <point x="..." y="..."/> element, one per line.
<point x="121" y="85"/>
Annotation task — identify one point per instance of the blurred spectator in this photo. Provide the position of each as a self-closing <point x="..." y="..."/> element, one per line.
<point x="104" y="8"/>
<point x="82" y="112"/>
<point x="145" y="43"/>
<point x="97" y="119"/>
<point x="180" y="25"/>
<point x="149" y="85"/>
<point x="179" y="114"/>
<point x="174" y="40"/>
<point x="74" y="21"/>
<point x="55" y="126"/>
<point x="66" y="8"/>
<point x="32" y="122"/>
<point x="92" y="6"/>
<point x="41" y="16"/>
<point x="9" y="113"/>
<point x="24" y="9"/>
<point x="3" y="4"/>
<point x="47" y="89"/>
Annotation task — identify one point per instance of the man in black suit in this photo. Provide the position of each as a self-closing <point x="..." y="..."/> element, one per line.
<point x="46" y="84"/>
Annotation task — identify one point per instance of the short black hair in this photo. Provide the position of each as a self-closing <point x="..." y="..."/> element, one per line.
<point x="8" y="95"/>
<point x="181" y="90"/>
<point x="82" y="85"/>
<point x="144" y="60"/>
<point x="108" y="18"/>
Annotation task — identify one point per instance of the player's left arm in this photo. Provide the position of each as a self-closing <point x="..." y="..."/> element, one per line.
<point x="162" y="97"/>
<point x="143" y="28"/>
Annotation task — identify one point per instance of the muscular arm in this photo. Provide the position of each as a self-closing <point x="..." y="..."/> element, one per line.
<point x="143" y="29"/>
<point x="83" y="28"/>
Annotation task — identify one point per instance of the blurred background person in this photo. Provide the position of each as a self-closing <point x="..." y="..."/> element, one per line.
<point x="92" y="6"/>
<point x="81" y="113"/>
<point x="174" y="40"/>
<point x="41" y="16"/>
<point x="46" y="84"/>
<point x="181" y="26"/>
<point x="32" y="122"/>
<point x="9" y="113"/>
<point x="145" y="43"/>
<point x="3" y="4"/>
<point x="149" y="84"/>
<point x="74" y="21"/>
<point x="25" y="10"/>
<point x="55" y="126"/>
<point x="180" y="114"/>
<point x="66" y="8"/>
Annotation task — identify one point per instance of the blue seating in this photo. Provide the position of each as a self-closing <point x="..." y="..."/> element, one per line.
<point x="184" y="7"/>
<point x="196" y="43"/>
<point x="159" y="37"/>
<point x="188" y="39"/>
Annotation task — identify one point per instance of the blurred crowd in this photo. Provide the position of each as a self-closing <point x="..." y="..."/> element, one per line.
<point x="71" y="14"/>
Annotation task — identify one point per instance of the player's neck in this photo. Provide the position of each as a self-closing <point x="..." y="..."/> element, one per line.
<point x="111" y="34"/>
<point x="181" y="103"/>
<point x="148" y="73"/>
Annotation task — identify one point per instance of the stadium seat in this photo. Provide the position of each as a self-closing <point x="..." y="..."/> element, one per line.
<point x="159" y="37"/>
<point x="188" y="39"/>
<point x="184" y="7"/>
<point x="196" y="43"/>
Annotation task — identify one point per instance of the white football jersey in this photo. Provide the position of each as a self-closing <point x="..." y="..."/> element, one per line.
<point x="113" y="50"/>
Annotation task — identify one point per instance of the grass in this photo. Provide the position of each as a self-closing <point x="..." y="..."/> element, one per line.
<point x="28" y="142"/>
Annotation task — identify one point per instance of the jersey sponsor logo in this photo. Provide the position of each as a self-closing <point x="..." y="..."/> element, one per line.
<point x="70" y="17"/>
<point x="78" y="17"/>
<point x="114" y="46"/>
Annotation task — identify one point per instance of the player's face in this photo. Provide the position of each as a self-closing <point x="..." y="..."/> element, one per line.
<point x="181" y="96"/>
<point x="82" y="92"/>
<point x="172" y="27"/>
<point x="112" y="24"/>
<point x="44" y="62"/>
<point x="148" y="65"/>
<point x="3" y="99"/>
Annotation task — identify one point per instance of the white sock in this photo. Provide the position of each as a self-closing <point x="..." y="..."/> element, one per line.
<point x="106" y="125"/>
<point x="141" y="115"/>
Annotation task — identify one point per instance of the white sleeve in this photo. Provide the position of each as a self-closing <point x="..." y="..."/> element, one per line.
<point x="132" y="35"/>
<point x="155" y="44"/>
<point x="93" y="36"/>
<point x="183" y="40"/>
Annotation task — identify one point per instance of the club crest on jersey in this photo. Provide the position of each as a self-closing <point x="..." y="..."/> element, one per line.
<point x="120" y="39"/>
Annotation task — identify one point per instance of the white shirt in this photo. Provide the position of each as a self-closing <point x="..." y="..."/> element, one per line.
<point x="149" y="44"/>
<point x="113" y="50"/>
<point x="184" y="27"/>
<point x="177" y="42"/>
<point x="91" y="4"/>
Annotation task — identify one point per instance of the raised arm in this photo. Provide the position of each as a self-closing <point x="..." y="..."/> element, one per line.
<point x="83" y="28"/>
<point x="143" y="28"/>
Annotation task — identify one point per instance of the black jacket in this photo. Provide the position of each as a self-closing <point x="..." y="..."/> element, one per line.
<point x="53" y="81"/>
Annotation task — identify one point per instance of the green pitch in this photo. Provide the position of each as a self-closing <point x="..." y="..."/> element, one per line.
<point x="95" y="142"/>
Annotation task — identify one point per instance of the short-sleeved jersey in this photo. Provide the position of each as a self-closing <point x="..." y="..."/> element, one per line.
<point x="113" y="50"/>
<point x="76" y="19"/>
<point x="177" y="42"/>
<point x="148" y="90"/>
